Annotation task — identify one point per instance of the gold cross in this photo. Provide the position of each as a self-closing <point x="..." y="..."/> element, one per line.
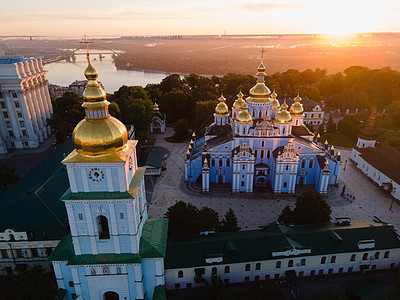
<point x="262" y="53"/>
<point x="85" y="41"/>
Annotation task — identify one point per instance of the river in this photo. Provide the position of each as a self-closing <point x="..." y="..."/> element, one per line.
<point x="64" y="73"/>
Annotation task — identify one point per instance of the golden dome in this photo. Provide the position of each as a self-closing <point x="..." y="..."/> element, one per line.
<point x="244" y="116"/>
<point x="98" y="133"/>
<point x="275" y="103"/>
<point x="155" y="108"/>
<point x="259" y="92"/>
<point x="297" y="107"/>
<point x="239" y="101"/>
<point x="283" y="115"/>
<point x="221" y="109"/>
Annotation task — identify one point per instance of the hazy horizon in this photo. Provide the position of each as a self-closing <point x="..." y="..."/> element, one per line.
<point x="178" y="17"/>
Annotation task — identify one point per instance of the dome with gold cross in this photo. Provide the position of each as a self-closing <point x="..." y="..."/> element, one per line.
<point x="283" y="115"/>
<point x="221" y="109"/>
<point x="98" y="133"/>
<point x="275" y="103"/>
<point x="244" y="116"/>
<point x="239" y="101"/>
<point x="296" y="108"/>
<point x="260" y="92"/>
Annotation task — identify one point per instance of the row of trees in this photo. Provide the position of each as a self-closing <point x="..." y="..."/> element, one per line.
<point x="186" y="219"/>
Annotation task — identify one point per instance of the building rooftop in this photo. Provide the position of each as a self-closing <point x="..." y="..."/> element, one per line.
<point x="32" y="204"/>
<point x="259" y="245"/>
<point x="12" y="60"/>
<point x="384" y="158"/>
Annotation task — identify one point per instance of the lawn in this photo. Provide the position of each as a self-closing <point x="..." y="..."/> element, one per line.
<point x="338" y="139"/>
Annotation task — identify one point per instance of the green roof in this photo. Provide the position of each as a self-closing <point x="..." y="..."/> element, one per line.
<point x="31" y="204"/>
<point x="132" y="191"/>
<point x="159" y="293"/>
<point x="152" y="244"/>
<point x="151" y="159"/>
<point x="258" y="245"/>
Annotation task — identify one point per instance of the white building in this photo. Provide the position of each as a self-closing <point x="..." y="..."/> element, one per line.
<point x="313" y="112"/>
<point x="114" y="251"/>
<point x="25" y="103"/>
<point x="379" y="163"/>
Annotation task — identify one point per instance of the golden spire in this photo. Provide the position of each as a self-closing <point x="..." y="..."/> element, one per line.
<point x="98" y="133"/>
<point x="221" y="109"/>
<point x="297" y="107"/>
<point x="260" y="92"/>
<point x="239" y="101"/>
<point x="155" y="108"/>
<point x="275" y="103"/>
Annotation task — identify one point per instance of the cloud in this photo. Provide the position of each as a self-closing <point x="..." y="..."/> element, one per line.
<point x="269" y="6"/>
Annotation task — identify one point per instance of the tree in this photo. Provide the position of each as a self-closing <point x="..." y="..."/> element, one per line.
<point x="311" y="208"/>
<point x="230" y="223"/>
<point x="32" y="284"/>
<point x="182" y="219"/>
<point x="114" y="110"/>
<point x="208" y="219"/>
<point x="7" y="175"/>
<point x="204" y="115"/>
<point x="331" y="128"/>
<point x="286" y="215"/>
<point x="181" y="128"/>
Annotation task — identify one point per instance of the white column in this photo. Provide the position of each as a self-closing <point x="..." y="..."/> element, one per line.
<point x="58" y="274"/>
<point x="109" y="180"/>
<point x="92" y="233"/>
<point x="40" y="103"/>
<point x="139" y="281"/>
<point x="114" y="228"/>
<point x="77" y="282"/>
<point x="74" y="232"/>
<point x="37" y="113"/>
<point x="160" y="273"/>
<point x="40" y="86"/>
<point x="31" y="110"/>
<point x="72" y="179"/>
<point x="85" y="180"/>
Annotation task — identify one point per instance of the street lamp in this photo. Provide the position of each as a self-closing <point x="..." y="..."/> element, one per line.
<point x="345" y="163"/>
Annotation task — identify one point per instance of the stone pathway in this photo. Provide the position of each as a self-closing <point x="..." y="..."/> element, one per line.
<point x="253" y="212"/>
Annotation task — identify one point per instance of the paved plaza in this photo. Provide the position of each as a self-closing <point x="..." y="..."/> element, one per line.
<point x="252" y="211"/>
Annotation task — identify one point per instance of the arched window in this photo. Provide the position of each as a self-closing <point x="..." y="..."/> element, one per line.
<point x="220" y="162"/>
<point x="287" y="168"/>
<point x="214" y="271"/>
<point x="11" y="237"/>
<point x="262" y="154"/>
<point x="290" y="263"/>
<point x="311" y="163"/>
<point x="323" y="260"/>
<point x="365" y="256"/>
<point x="228" y="162"/>
<point x="244" y="130"/>
<point x="283" y="130"/>
<point x="268" y="153"/>
<point x="333" y="259"/>
<point x="227" y="269"/>
<point x="258" y="266"/>
<point x="386" y="254"/>
<point x="278" y="264"/>
<point x="102" y="228"/>
<point x="376" y="255"/>
<point x="262" y="143"/>
<point x="259" y="114"/>
<point x="303" y="262"/>
<point x="212" y="162"/>
<point x="255" y="153"/>
<point x="353" y="257"/>
<point x="247" y="268"/>
<point x="252" y="113"/>
<point x="303" y="163"/>
<point x="180" y="274"/>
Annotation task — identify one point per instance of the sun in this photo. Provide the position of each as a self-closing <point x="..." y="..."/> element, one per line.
<point x="344" y="16"/>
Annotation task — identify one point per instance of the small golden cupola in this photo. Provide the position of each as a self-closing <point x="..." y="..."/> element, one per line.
<point x="260" y="92"/>
<point x="221" y="109"/>
<point x="156" y="110"/>
<point x="98" y="133"/>
<point x="275" y="103"/>
<point x="296" y="108"/>
<point x="239" y="101"/>
<point x="283" y="116"/>
<point x="244" y="116"/>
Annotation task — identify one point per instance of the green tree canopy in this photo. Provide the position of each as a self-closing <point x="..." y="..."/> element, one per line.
<point x="181" y="128"/>
<point x="230" y="223"/>
<point x="204" y="115"/>
<point x="208" y="219"/>
<point x="182" y="219"/>
<point x="7" y="175"/>
<point x="311" y="208"/>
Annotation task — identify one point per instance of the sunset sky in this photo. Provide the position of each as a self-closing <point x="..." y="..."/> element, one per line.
<point x="163" y="17"/>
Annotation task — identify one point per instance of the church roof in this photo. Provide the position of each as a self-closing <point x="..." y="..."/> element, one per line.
<point x="384" y="158"/>
<point x="223" y="135"/>
<point x="308" y="104"/>
<point x="301" y="131"/>
<point x="258" y="245"/>
<point x="150" y="159"/>
<point x="152" y="245"/>
<point x="31" y="204"/>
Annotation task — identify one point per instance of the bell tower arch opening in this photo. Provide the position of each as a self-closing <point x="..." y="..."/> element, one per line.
<point x="102" y="227"/>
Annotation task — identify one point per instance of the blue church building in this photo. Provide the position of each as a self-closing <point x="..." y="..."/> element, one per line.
<point x="261" y="143"/>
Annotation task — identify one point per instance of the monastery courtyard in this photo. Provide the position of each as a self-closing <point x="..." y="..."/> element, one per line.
<point x="253" y="212"/>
